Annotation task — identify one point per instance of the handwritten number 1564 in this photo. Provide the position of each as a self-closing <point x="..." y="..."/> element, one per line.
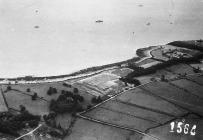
<point x="183" y="128"/>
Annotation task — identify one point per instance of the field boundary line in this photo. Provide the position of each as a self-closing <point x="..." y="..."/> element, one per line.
<point x="4" y="98"/>
<point x="94" y="88"/>
<point x="172" y="102"/>
<point x="185" y="90"/>
<point x="21" y="92"/>
<point x="146" y="108"/>
<point x="140" y="86"/>
<point x="128" y="114"/>
<point x="193" y="81"/>
<point x="112" y="98"/>
<point x="117" y="126"/>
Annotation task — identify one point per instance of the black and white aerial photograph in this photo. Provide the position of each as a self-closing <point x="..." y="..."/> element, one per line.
<point x="101" y="69"/>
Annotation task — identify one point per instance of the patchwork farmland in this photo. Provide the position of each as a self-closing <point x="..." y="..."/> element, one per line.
<point x="101" y="105"/>
<point x="151" y="106"/>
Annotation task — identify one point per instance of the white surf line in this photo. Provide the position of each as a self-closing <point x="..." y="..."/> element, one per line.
<point x="58" y="79"/>
<point x="29" y="133"/>
<point x="119" y="126"/>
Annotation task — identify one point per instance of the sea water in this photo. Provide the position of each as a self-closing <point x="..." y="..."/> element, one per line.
<point x="54" y="37"/>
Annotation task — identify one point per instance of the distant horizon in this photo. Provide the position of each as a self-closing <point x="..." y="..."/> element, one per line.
<point x="50" y="38"/>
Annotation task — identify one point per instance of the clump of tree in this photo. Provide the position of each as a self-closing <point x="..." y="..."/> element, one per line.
<point x="66" y="102"/>
<point x="89" y="106"/>
<point x="96" y="100"/>
<point x="9" y="88"/>
<point x="34" y="96"/>
<point x="78" y="98"/>
<point x="51" y="91"/>
<point x="55" y="133"/>
<point x="139" y="71"/>
<point x="129" y="80"/>
<point x="67" y="85"/>
<point x="184" y="44"/>
<point x="22" y="108"/>
<point x="28" y="90"/>
<point x="75" y="90"/>
<point x="50" y="119"/>
<point x="163" y="78"/>
<point x="12" y="123"/>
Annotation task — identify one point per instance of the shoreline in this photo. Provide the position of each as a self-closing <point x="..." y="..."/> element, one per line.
<point x="142" y="54"/>
<point x="59" y="78"/>
<point x="80" y="73"/>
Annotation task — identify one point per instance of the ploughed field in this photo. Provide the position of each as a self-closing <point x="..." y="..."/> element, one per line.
<point x="153" y="106"/>
<point x="103" y="83"/>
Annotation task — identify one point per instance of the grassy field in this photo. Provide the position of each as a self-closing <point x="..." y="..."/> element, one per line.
<point x="157" y="54"/>
<point x="129" y="109"/>
<point x="41" y="89"/>
<point x="198" y="79"/>
<point x="169" y="73"/>
<point x="175" y="95"/>
<point x="118" y="118"/>
<point x="37" y="107"/>
<point x="191" y="87"/>
<point x="168" y="91"/>
<point x="87" y="130"/>
<point x="181" y="69"/>
<point x="157" y="76"/>
<point x="136" y="109"/>
<point x="142" y="98"/>
<point x="19" y="96"/>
